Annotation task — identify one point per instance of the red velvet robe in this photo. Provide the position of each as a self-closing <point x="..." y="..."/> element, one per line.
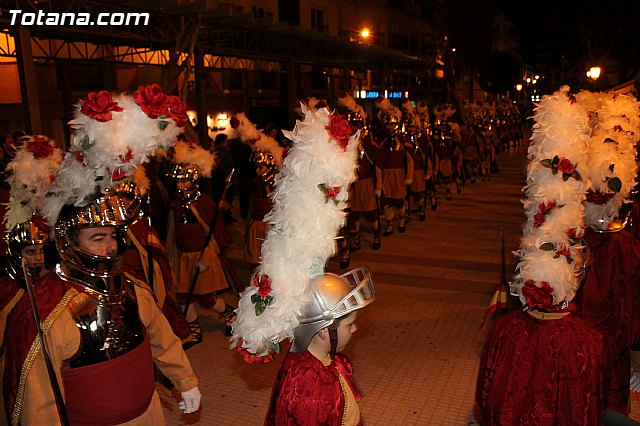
<point x="307" y="393"/>
<point x="610" y="301"/>
<point x="541" y="372"/>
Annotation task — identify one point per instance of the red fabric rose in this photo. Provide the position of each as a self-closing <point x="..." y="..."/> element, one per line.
<point x="547" y="207"/>
<point x="118" y="174"/>
<point x="564" y="250"/>
<point x="575" y="232"/>
<point x="151" y="100"/>
<point x="333" y="191"/>
<point x="599" y="198"/>
<point x="538" y="297"/>
<point x="538" y="219"/>
<point x="40" y="147"/>
<point x="340" y="130"/>
<point x="177" y="110"/>
<point x="256" y="359"/>
<point x="565" y="166"/>
<point x="80" y="159"/>
<point x="127" y="157"/>
<point x="263" y="283"/>
<point x="99" y="106"/>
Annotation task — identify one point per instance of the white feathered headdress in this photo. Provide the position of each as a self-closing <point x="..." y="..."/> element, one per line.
<point x="256" y="139"/>
<point x="611" y="165"/>
<point x="112" y="135"/>
<point x="31" y="173"/>
<point x="309" y="198"/>
<point x="346" y="100"/>
<point x="551" y="251"/>
<point x="386" y="107"/>
<point x="190" y="154"/>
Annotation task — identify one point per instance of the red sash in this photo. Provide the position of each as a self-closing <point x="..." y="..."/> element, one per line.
<point x="110" y="392"/>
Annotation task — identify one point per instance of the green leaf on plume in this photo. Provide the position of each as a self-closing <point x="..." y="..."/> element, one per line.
<point x="163" y="116"/>
<point x="569" y="260"/>
<point x="162" y="124"/>
<point x="611" y="168"/>
<point x="554" y="170"/>
<point x="260" y="307"/>
<point x="609" y="140"/>
<point x="546" y="163"/>
<point x="547" y="246"/>
<point x="276" y="348"/>
<point x="556" y="255"/>
<point x="565" y="177"/>
<point x="255" y="298"/>
<point x="614" y="184"/>
<point x="555" y="160"/>
<point x="269" y="300"/>
<point x="86" y="143"/>
<point x="576" y="175"/>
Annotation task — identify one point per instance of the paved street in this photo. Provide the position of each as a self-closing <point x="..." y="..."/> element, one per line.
<point x="416" y="351"/>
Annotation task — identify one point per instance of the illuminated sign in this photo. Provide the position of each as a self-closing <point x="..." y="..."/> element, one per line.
<point x="374" y="94"/>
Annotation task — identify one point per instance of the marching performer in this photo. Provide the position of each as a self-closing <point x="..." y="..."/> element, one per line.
<point x="395" y="164"/>
<point x="267" y="157"/>
<point x="609" y="300"/>
<point x="364" y="199"/>
<point x="103" y="329"/>
<point x="291" y="296"/>
<point x="196" y="237"/>
<point x="416" y="143"/>
<point x="544" y="364"/>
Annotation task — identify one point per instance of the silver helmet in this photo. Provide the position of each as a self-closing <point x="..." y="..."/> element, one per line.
<point x="332" y="297"/>
<point x="31" y="233"/>
<point x="190" y="173"/>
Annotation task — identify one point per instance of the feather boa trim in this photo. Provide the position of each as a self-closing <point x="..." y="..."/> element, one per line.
<point x="309" y="197"/>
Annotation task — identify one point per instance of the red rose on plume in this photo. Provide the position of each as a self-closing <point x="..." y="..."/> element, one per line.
<point x="40" y="147"/>
<point x="618" y="128"/>
<point x="99" y="106"/>
<point x="80" y="159"/>
<point x="234" y="123"/>
<point x="340" y="130"/>
<point x="333" y="191"/>
<point x="177" y="110"/>
<point x="263" y="283"/>
<point x="599" y="198"/>
<point x="564" y="250"/>
<point x="118" y="174"/>
<point x="128" y="156"/>
<point x="565" y="166"/>
<point x="538" y="297"/>
<point x="575" y="233"/>
<point x="256" y="359"/>
<point x="151" y="100"/>
<point x="538" y="219"/>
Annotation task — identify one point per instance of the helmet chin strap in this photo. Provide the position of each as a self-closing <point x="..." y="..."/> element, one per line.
<point x="333" y="338"/>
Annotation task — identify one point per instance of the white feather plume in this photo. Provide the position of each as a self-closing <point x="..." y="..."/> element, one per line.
<point x="546" y="252"/>
<point x="189" y="154"/>
<point x="249" y="134"/>
<point x="30" y="177"/>
<point x="303" y="227"/>
<point x="385" y="106"/>
<point x="102" y="153"/>
<point x="347" y="101"/>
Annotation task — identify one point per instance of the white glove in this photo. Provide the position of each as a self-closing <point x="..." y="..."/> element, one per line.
<point x="408" y="181"/>
<point x="190" y="400"/>
<point x="634" y="383"/>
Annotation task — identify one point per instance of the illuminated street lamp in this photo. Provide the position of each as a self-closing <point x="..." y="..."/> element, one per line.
<point x="594" y="73"/>
<point x="518" y="87"/>
<point x="365" y="33"/>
